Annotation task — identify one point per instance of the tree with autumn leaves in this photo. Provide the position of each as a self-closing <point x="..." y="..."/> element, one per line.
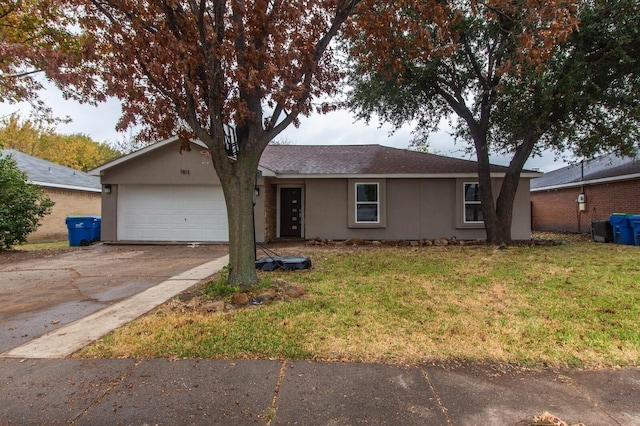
<point x="189" y="68"/>
<point x="519" y="75"/>
<point x="37" y="39"/>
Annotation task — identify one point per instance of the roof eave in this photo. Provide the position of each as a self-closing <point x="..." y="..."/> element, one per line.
<point x="62" y="186"/>
<point x="288" y="175"/>
<point x="265" y="172"/>
<point x="587" y="182"/>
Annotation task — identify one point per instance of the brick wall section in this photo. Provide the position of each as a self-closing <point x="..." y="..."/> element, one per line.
<point x="270" y="210"/>
<point x="68" y="203"/>
<point x="557" y="209"/>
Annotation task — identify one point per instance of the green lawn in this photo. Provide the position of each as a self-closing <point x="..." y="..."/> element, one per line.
<point x="575" y="305"/>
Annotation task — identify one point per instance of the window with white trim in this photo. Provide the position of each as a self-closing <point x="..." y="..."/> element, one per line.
<point x="472" y="205"/>
<point x="367" y="203"/>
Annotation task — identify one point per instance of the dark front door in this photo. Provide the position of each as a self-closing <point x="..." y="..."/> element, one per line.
<point x="290" y="212"/>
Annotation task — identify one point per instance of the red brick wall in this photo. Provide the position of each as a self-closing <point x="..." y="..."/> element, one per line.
<point x="557" y="209"/>
<point x="270" y="210"/>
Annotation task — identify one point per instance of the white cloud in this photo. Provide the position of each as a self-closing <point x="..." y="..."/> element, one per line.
<point x="99" y="122"/>
<point x="338" y="127"/>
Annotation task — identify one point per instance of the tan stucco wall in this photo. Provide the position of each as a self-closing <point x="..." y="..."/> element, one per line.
<point x="164" y="165"/>
<point x="521" y="222"/>
<point x="68" y="203"/>
<point x="109" y="222"/>
<point x="415" y="209"/>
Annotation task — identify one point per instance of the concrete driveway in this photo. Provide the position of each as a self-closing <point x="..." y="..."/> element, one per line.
<point x="42" y="293"/>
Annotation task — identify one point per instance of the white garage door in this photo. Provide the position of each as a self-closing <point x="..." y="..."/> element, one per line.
<point x="172" y="213"/>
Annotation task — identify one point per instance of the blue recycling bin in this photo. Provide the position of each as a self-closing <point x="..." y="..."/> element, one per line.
<point x="95" y="228"/>
<point x="83" y="230"/>
<point x="634" y="221"/>
<point x="622" y="230"/>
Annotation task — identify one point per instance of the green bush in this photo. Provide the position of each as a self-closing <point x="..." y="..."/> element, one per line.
<point x="220" y="287"/>
<point x="22" y="205"/>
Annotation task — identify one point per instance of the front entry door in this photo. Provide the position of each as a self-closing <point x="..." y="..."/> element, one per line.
<point x="290" y="212"/>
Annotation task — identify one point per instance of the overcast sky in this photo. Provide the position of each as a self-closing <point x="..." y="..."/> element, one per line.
<point x="336" y="128"/>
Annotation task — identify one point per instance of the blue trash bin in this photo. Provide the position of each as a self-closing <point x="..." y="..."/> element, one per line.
<point x="622" y="230"/>
<point x="634" y="221"/>
<point x="83" y="230"/>
<point x="96" y="221"/>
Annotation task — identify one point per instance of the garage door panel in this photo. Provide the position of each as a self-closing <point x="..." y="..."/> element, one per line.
<point x="171" y="213"/>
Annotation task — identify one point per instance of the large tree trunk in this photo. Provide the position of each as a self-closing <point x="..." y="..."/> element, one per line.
<point x="509" y="188"/>
<point x="238" y="192"/>
<point x="491" y="223"/>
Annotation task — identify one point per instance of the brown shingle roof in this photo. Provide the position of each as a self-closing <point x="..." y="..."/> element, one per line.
<point x="361" y="160"/>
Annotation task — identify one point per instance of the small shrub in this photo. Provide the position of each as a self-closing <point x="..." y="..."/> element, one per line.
<point x="22" y="205"/>
<point x="220" y="287"/>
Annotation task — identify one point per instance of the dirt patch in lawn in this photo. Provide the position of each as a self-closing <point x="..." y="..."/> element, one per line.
<point x="215" y="296"/>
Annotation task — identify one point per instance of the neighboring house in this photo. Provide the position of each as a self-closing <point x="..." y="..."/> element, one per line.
<point x="336" y="192"/>
<point x="570" y="198"/>
<point x="75" y="193"/>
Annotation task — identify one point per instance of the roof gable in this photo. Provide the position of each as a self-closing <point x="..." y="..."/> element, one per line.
<point x="45" y="173"/>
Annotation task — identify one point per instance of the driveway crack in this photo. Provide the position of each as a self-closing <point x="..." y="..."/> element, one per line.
<point x="83" y="297"/>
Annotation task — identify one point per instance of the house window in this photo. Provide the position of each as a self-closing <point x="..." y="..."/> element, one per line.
<point x="472" y="205"/>
<point x="367" y="203"/>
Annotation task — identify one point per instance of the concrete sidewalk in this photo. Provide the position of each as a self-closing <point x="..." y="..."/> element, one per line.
<point x="205" y="392"/>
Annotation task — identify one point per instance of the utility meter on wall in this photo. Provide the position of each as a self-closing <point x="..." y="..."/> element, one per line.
<point x="582" y="202"/>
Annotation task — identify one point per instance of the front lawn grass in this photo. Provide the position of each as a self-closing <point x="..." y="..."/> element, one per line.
<point x="575" y="305"/>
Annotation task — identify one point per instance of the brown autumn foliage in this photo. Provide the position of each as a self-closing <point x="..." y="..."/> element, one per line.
<point x="482" y="44"/>
<point x="191" y="67"/>
<point x="406" y="30"/>
<point x="37" y="38"/>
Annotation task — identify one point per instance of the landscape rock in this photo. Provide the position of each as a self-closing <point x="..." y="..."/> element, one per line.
<point x="354" y="242"/>
<point x="215" y="306"/>
<point x="267" y="294"/>
<point x="240" y="299"/>
<point x="295" y="292"/>
<point x="193" y="303"/>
